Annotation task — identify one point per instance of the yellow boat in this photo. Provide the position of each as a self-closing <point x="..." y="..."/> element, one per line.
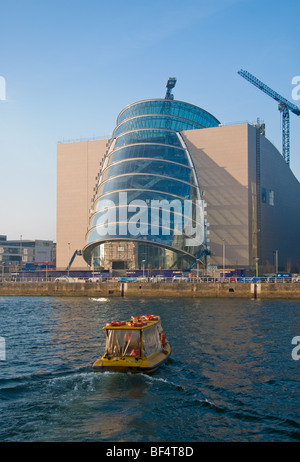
<point x="138" y="345"/>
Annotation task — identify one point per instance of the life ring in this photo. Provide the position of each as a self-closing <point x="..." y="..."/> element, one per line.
<point x="151" y="317"/>
<point x="136" y="318"/>
<point x="163" y="339"/>
<point x="113" y="323"/>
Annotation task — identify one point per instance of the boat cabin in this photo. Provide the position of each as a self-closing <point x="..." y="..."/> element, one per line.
<point x="140" y="339"/>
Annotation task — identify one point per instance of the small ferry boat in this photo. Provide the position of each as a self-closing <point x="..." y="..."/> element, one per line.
<point x="138" y="345"/>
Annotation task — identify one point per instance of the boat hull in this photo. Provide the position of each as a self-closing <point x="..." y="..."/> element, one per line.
<point x="133" y="364"/>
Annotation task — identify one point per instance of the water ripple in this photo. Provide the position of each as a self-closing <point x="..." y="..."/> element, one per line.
<point x="230" y="376"/>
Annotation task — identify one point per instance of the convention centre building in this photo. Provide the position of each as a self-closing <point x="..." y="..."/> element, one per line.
<point x="173" y="188"/>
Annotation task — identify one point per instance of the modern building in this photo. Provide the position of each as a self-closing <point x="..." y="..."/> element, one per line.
<point x="173" y="188"/>
<point x="18" y="254"/>
<point x="148" y="192"/>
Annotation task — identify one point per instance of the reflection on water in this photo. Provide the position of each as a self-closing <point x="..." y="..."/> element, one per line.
<point x="230" y="376"/>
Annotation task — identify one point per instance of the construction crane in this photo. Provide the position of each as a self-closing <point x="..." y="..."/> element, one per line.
<point x="204" y="252"/>
<point x="284" y="106"/>
<point x="170" y="84"/>
<point x="77" y="252"/>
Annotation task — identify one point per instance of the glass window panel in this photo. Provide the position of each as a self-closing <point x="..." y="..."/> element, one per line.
<point x="168" y="122"/>
<point x="142" y="231"/>
<point x="159" y="256"/>
<point x="148" y="136"/>
<point x="151" y="182"/>
<point x="150" y="150"/>
<point x="175" y="108"/>
<point x="150" y="166"/>
<point x="167" y="213"/>
<point x="137" y="194"/>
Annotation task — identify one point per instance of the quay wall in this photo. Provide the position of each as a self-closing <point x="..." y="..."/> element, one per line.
<point x="153" y="290"/>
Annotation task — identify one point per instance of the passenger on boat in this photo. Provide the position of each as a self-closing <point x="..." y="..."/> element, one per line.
<point x="132" y="345"/>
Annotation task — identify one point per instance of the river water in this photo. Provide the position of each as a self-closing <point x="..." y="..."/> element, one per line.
<point x="231" y="376"/>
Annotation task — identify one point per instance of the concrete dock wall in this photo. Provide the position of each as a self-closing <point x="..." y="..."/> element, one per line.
<point x="153" y="290"/>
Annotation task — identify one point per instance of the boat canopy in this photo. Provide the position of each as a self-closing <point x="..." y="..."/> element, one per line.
<point x="123" y="342"/>
<point x="151" y="339"/>
<point x="130" y="342"/>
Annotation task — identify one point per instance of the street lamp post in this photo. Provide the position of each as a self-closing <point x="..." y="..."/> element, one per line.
<point x="143" y="261"/>
<point x="276" y="260"/>
<point x="223" y="245"/>
<point x="69" y="259"/>
<point x="256" y="266"/>
<point x="21" y="259"/>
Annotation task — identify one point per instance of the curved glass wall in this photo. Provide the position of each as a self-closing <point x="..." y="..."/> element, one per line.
<point x="153" y="151"/>
<point x="173" y="108"/>
<point x="147" y="208"/>
<point x="171" y="123"/>
<point x="148" y="166"/>
<point x="148" y="136"/>
<point x="150" y="182"/>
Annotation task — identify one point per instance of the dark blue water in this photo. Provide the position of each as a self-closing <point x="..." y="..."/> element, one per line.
<point x="231" y="376"/>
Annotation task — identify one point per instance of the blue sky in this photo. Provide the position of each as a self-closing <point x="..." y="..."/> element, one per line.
<point x="71" y="66"/>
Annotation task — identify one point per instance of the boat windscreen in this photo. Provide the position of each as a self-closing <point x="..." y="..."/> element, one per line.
<point x="151" y="340"/>
<point x="123" y="342"/>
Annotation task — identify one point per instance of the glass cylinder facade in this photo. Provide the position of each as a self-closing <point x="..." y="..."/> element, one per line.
<point x="147" y="210"/>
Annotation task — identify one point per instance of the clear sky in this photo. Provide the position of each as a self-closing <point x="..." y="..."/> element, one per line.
<point x="70" y="67"/>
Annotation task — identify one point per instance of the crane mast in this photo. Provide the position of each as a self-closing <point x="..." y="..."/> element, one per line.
<point x="284" y="106"/>
<point x="170" y="85"/>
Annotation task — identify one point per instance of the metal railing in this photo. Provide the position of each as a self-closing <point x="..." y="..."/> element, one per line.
<point x="174" y="280"/>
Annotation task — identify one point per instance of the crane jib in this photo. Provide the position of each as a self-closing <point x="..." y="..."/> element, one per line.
<point x="284" y="107"/>
<point x="263" y="87"/>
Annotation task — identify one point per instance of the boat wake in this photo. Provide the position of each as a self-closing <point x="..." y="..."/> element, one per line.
<point x="101" y="299"/>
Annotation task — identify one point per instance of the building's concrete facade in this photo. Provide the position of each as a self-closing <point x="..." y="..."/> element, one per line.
<point x="253" y="198"/>
<point x="280" y="210"/>
<point x="78" y="165"/>
<point x="221" y="160"/>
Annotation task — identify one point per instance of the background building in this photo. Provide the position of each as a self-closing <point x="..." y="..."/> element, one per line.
<point x="18" y="254"/>
<point x="252" y="196"/>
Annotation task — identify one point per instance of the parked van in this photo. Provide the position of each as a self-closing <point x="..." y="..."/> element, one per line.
<point x="66" y="279"/>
